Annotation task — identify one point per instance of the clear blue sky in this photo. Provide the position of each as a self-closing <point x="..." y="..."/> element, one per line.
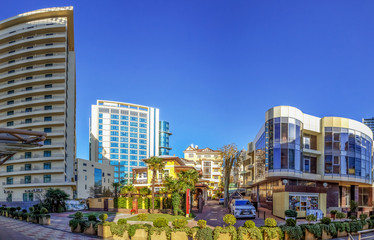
<point x="214" y="67"/>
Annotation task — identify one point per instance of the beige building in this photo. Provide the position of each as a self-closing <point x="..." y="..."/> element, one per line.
<point x="37" y="92"/>
<point x="209" y="162"/>
<point x="93" y="175"/>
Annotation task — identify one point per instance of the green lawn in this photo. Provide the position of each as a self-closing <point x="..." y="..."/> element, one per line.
<point x="86" y="214"/>
<point x="152" y="217"/>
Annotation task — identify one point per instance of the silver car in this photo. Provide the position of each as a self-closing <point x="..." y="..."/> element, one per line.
<point x="242" y="208"/>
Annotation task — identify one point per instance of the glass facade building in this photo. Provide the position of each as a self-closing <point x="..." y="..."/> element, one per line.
<point x="369" y="122"/>
<point x="164" y="138"/>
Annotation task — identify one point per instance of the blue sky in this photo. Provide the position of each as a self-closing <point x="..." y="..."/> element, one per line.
<point x="214" y="67"/>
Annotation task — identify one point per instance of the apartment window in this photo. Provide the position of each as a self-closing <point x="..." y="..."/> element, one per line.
<point x="27" y="167"/>
<point x="47" y="119"/>
<point x="47" y="154"/>
<point x="9" y="197"/>
<point x="30" y="27"/>
<point x="29" y="37"/>
<point x="47" y="142"/>
<point x="48" y="86"/>
<point x="27" y="154"/>
<point x="49" y="44"/>
<point x="9" y="180"/>
<point x="28" y="88"/>
<point x="30" y="57"/>
<point x="47" y="107"/>
<point x="27" y="179"/>
<point x="49" y="65"/>
<point x="85" y="178"/>
<point x="49" y="34"/>
<point x="47" y="130"/>
<point x="11" y="42"/>
<point x="47" y="96"/>
<point x="28" y="99"/>
<point x="28" y="78"/>
<point x="28" y="197"/>
<point x="47" y="178"/>
<point x="49" y="54"/>
<point x="10" y="113"/>
<point x="11" y="51"/>
<point x="11" y="71"/>
<point x="9" y="168"/>
<point x="28" y="120"/>
<point x="29" y="67"/>
<point x="28" y="110"/>
<point x="10" y="102"/>
<point x="11" y="92"/>
<point x="48" y="75"/>
<point x="10" y="81"/>
<point x="29" y="47"/>
<point x="47" y="165"/>
<point x="10" y="123"/>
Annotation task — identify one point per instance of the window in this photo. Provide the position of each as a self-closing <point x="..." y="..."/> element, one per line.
<point x="28" y="99"/>
<point x="48" y="86"/>
<point x="49" y="65"/>
<point x="28" y="110"/>
<point x="47" y="107"/>
<point x="47" y="165"/>
<point x="30" y="57"/>
<point x="49" y="44"/>
<point x="48" y="75"/>
<point x="29" y="47"/>
<point x="47" y="178"/>
<point x="9" y="123"/>
<point x="47" y="96"/>
<point x="28" y="78"/>
<point x="27" y="167"/>
<point x="11" y="92"/>
<point x="28" y="120"/>
<point x="9" y="168"/>
<point x="10" y="81"/>
<point x="47" y="142"/>
<point x="28" y="197"/>
<point x="47" y="153"/>
<point x="29" y="67"/>
<point x="9" y="180"/>
<point x="27" y="179"/>
<point x="10" y="102"/>
<point x="49" y="54"/>
<point x="27" y="154"/>
<point x="11" y="71"/>
<point x="47" y="119"/>
<point x="47" y="130"/>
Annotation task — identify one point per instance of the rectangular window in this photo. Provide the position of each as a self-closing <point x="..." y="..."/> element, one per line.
<point x="48" y="97"/>
<point x="28" y="110"/>
<point x="47" y="178"/>
<point x="28" y="78"/>
<point x="47" y="119"/>
<point x="47" y="107"/>
<point x="28" y="120"/>
<point x="9" y="168"/>
<point x="47" y="130"/>
<point x="47" y="142"/>
<point x="9" y="123"/>
<point x="10" y="113"/>
<point x="27" y="167"/>
<point x="11" y="92"/>
<point x="47" y="165"/>
<point x="48" y="75"/>
<point x="48" y="86"/>
<point x="9" y="180"/>
<point x="27" y="154"/>
<point x="47" y="153"/>
<point x="10" y="102"/>
<point x="27" y="179"/>
<point x="10" y="81"/>
<point x="28" y="99"/>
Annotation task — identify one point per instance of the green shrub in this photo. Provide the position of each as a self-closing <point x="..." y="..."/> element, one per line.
<point x="252" y="233"/>
<point x="291" y="222"/>
<point x="314" y="229"/>
<point x="78" y="215"/>
<point x="160" y="222"/>
<point x="353" y="206"/>
<point x="45" y="211"/>
<point x="355" y="226"/>
<point x="333" y="211"/>
<point x="142" y="217"/>
<point x="352" y="217"/>
<point x="18" y="208"/>
<point x="363" y="216"/>
<point x="103" y="217"/>
<point x="73" y="223"/>
<point x="340" y="215"/>
<point x="290" y="213"/>
<point x="372" y="217"/>
<point x="229" y="219"/>
<point x="270" y="222"/>
<point x="310" y="218"/>
<point x="326" y="220"/>
<point x="179" y="223"/>
<point x="294" y="232"/>
<point x="204" y="234"/>
<point x="230" y="230"/>
<point x="121" y="221"/>
<point x="91" y="217"/>
<point x="140" y="203"/>
<point x="249" y="224"/>
<point x="201" y="223"/>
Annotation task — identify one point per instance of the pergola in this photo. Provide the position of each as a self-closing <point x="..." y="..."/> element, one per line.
<point x="16" y="140"/>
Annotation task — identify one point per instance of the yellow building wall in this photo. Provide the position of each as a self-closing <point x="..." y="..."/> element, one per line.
<point x="280" y="203"/>
<point x="322" y="198"/>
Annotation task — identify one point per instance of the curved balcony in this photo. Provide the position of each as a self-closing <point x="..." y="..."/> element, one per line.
<point x="32" y="40"/>
<point x="38" y="183"/>
<point x="36" y="60"/>
<point x="37" y="70"/>
<point x="36" y="158"/>
<point x="35" y="91"/>
<point x="56" y="78"/>
<point x="35" y="101"/>
<point x="33" y="51"/>
<point x="41" y="122"/>
<point x="34" y="170"/>
<point x="35" y="113"/>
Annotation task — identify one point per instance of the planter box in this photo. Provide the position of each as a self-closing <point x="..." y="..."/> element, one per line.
<point x="224" y="236"/>
<point x="325" y="235"/>
<point x="90" y="230"/>
<point x="247" y="237"/>
<point x="161" y="236"/>
<point x="285" y="218"/>
<point x="309" y="235"/>
<point x="28" y="219"/>
<point x="267" y="238"/>
<point x="140" y="234"/>
<point x="365" y="227"/>
<point x="342" y="234"/>
<point x="104" y="231"/>
<point x="179" y="236"/>
<point x="124" y="237"/>
<point x="78" y="229"/>
<point x="45" y="221"/>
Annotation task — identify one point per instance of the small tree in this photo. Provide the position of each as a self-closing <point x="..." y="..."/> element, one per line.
<point x="144" y="191"/>
<point x="230" y="156"/>
<point x="55" y="198"/>
<point x="116" y="186"/>
<point x="129" y="190"/>
<point x="154" y="164"/>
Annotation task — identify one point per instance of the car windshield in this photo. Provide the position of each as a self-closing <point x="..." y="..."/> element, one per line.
<point x="242" y="202"/>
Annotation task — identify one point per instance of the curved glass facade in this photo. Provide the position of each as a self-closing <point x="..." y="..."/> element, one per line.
<point x="347" y="153"/>
<point x="283" y="136"/>
<point x="164" y="138"/>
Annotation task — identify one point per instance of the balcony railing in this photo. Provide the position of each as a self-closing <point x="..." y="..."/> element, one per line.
<point x="39" y="181"/>
<point x="23" y="170"/>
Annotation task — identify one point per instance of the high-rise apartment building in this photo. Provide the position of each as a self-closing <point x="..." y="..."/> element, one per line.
<point x="121" y="134"/>
<point x="37" y="92"/>
<point x="369" y="122"/>
<point x="164" y="138"/>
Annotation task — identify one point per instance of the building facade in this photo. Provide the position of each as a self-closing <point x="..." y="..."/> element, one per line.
<point x="93" y="178"/>
<point x="209" y="162"/>
<point x="305" y="162"/>
<point x="164" y="138"/>
<point x="37" y="89"/>
<point x="121" y="134"/>
<point x="369" y="122"/>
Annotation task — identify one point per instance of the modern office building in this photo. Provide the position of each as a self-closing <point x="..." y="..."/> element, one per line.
<point x="93" y="178"/>
<point x="121" y="134"/>
<point x="37" y="92"/>
<point x="369" y="122"/>
<point x="209" y="162"/>
<point x="304" y="162"/>
<point x="164" y="138"/>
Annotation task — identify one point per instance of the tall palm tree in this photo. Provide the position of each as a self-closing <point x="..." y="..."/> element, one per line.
<point x="190" y="178"/>
<point x="116" y="185"/>
<point x="128" y="189"/>
<point x="154" y="164"/>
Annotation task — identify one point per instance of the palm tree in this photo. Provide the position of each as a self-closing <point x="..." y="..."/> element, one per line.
<point x="155" y="164"/>
<point x="190" y="178"/>
<point x="144" y="191"/>
<point x="129" y="189"/>
<point x="116" y="185"/>
<point x="55" y="198"/>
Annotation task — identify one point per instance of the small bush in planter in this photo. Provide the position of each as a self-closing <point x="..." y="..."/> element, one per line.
<point x="121" y="221"/>
<point x="78" y="215"/>
<point x="160" y="222"/>
<point x="92" y="217"/>
<point x="290" y="213"/>
<point x="326" y="220"/>
<point x="363" y="216"/>
<point x="201" y="223"/>
<point x="310" y="218"/>
<point x="291" y="222"/>
<point x="229" y="219"/>
<point x="270" y="222"/>
<point x="204" y="234"/>
<point x="142" y="217"/>
<point x="179" y="223"/>
<point x="103" y="217"/>
<point x="271" y="230"/>
<point x="340" y="215"/>
<point x="353" y="218"/>
<point x="249" y="224"/>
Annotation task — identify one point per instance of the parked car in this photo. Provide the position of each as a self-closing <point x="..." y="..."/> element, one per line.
<point x="242" y="208"/>
<point x="221" y="201"/>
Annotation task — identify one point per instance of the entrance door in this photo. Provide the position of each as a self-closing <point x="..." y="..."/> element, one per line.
<point x="106" y="205"/>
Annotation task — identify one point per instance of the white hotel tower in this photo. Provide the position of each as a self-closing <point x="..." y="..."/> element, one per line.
<point x="37" y="92"/>
<point x="121" y="134"/>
